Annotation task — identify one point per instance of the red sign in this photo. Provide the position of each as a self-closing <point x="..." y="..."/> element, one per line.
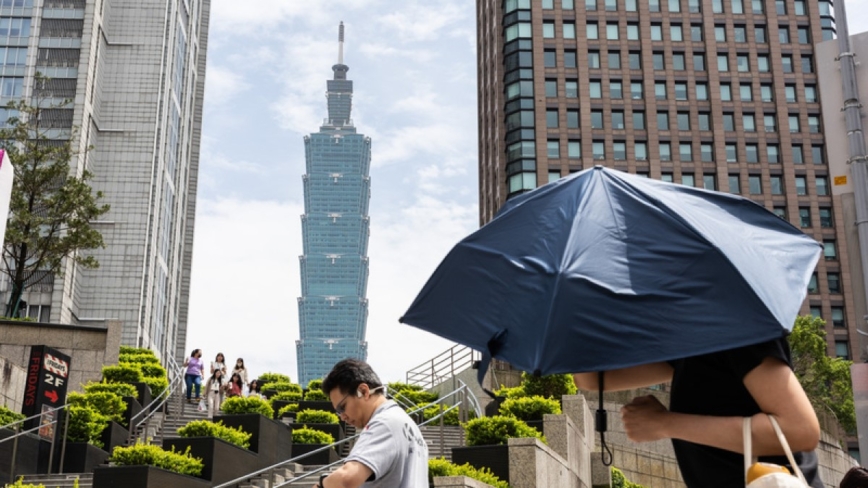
<point x="47" y="374"/>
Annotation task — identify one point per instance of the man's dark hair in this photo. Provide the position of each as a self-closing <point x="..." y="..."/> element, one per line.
<point x="348" y="374"/>
<point x="857" y="477"/>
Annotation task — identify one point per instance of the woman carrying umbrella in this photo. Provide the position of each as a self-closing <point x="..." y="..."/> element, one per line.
<point x="710" y="396"/>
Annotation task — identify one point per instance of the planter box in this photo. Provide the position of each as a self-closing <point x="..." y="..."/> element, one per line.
<point x="271" y="439"/>
<point x="81" y="457"/>
<point x="318" y="405"/>
<point x="143" y="477"/>
<point x="268" y="393"/>
<point x="113" y="435"/>
<point x="335" y="430"/>
<point x="536" y="424"/>
<point x="496" y="458"/>
<point x="144" y="393"/>
<point x="278" y="404"/>
<point x="27" y="461"/>
<point x="493" y="407"/>
<point x="327" y="456"/>
<point x="133" y="409"/>
<point x="223" y="461"/>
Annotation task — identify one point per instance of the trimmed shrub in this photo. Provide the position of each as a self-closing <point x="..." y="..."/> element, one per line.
<point x="398" y="386"/>
<point x="207" y="428"/>
<point x="514" y="392"/>
<point x="137" y="351"/>
<point x="120" y="389"/>
<point x="273" y="378"/>
<point x="7" y="416"/>
<point x="122" y="373"/>
<point x="311" y="416"/>
<point x="311" y="436"/>
<point x="158" y="386"/>
<point x="621" y="481"/>
<point x="237" y="405"/>
<point x="315" y="396"/>
<point x="152" y="370"/>
<point x="146" y="454"/>
<point x="19" y="483"/>
<point x="416" y="397"/>
<point x="290" y="408"/>
<point x="530" y="408"/>
<point x="138" y="359"/>
<point x="486" y="431"/>
<point x="104" y="402"/>
<point x="442" y="467"/>
<point x="451" y="417"/>
<point x="281" y="386"/>
<point x="549" y="386"/>
<point x="314" y="385"/>
<point x="286" y="396"/>
<point x="85" y="425"/>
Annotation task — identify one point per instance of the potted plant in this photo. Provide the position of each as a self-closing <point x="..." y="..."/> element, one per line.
<point x="131" y="375"/>
<point x="127" y="392"/>
<point x="486" y="443"/>
<point x="273" y="388"/>
<point x="84" y="445"/>
<point x="319" y="420"/>
<point x="309" y="440"/>
<point x="288" y="411"/>
<point x="549" y="386"/>
<point x="438" y="467"/>
<point x="270" y="439"/>
<point x="530" y="409"/>
<point x="110" y="405"/>
<point x="148" y="466"/>
<point x="282" y="398"/>
<point x="27" y="460"/>
<point x="224" y="451"/>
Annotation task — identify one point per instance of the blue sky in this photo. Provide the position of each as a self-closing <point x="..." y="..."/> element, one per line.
<point x="414" y="69"/>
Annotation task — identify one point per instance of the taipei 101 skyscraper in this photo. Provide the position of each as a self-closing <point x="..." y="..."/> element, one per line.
<point x="333" y="309"/>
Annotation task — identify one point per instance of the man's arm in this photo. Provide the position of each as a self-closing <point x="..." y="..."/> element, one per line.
<point x="351" y="475"/>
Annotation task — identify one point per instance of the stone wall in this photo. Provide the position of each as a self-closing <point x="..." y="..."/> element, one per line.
<point x="89" y="347"/>
<point x="12" y="383"/>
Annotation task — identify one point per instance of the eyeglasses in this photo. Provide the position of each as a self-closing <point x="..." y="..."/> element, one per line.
<point x="342" y="405"/>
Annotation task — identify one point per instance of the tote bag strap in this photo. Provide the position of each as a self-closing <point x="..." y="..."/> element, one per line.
<point x="748" y="458"/>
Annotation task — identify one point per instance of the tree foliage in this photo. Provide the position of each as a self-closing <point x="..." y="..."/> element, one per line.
<point x="52" y="207"/>
<point x="825" y="380"/>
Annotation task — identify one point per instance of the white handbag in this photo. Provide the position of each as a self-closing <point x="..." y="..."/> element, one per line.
<point x="775" y="479"/>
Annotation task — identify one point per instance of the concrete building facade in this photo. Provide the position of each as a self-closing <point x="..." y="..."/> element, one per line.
<point x="133" y="73"/>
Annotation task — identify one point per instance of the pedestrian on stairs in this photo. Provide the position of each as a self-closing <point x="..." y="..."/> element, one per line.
<point x="235" y="387"/>
<point x="254" y="389"/>
<point x="390" y="451"/>
<point x="219" y="363"/>
<point x="195" y="372"/>
<point x="240" y="370"/>
<point x="214" y="389"/>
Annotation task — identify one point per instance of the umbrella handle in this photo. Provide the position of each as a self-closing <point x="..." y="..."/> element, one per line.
<point x="602" y="425"/>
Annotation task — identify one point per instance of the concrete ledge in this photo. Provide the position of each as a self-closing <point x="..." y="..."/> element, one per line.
<point x="565" y="438"/>
<point x="532" y="464"/>
<point x="458" y="482"/>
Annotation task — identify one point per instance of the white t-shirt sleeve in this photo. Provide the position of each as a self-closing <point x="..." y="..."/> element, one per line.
<point x="376" y="449"/>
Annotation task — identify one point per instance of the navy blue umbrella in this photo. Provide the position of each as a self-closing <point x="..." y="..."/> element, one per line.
<point x="604" y="270"/>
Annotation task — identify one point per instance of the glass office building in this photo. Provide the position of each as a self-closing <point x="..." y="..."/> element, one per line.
<point x="333" y="309"/>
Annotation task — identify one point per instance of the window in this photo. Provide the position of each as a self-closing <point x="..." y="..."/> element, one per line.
<point x="811" y="93"/>
<point x="596" y="119"/>
<point x="804" y="217"/>
<point x="596" y="88"/>
<point x="662" y="120"/>
<point x="798" y="157"/>
<point x="614" y="60"/>
<point x="739" y="33"/>
<point x="706" y="152"/>
<point x="665" y="151"/>
<point x="553" y="149"/>
<point x="548" y="30"/>
<point x="516" y="120"/>
<point x="767" y="93"/>
<point x="787" y="62"/>
<point x="574" y="149"/>
<point x="781" y="7"/>
<point x="709" y="182"/>
<point x="618" y="119"/>
<point x="737" y="7"/>
<point x="548" y="4"/>
<point x="822" y="185"/>
<point x="754" y="185"/>
<point x="616" y="90"/>
<point x="676" y="34"/>
<point x="571" y="89"/>
<point x="635" y="60"/>
<point x="680" y="91"/>
<point x="801" y="186"/>
<point x="799" y="7"/>
<point x="640" y="151"/>
<point x="751" y="153"/>
<point x="734" y="186"/>
<point x="701" y="91"/>
<point x="675" y="5"/>
<point x="519" y="89"/>
<point x="830" y="250"/>
<point x="656" y="32"/>
<point x="803" y="35"/>
<point x="594" y="59"/>
<point x="773" y="153"/>
<point x="599" y="149"/>
<point x="762" y="63"/>
<point x="667" y="177"/>
<point x="636" y="90"/>
<point x="592" y="30"/>
<point x="704" y="119"/>
<point x="838" y="317"/>
<point x="696" y="32"/>
<point x="728" y="122"/>
<point x="590" y="4"/>
<point x="658" y="61"/>
<point x="720" y="33"/>
<point x="683" y="120"/>
<point x="756" y="6"/>
<point x="781" y="212"/>
<point x="522" y="181"/>
<point x="699" y="62"/>
<point x="742" y="63"/>
<point x="554" y="176"/>
<point x="770" y="122"/>
<point x="638" y="120"/>
<point x="842" y="350"/>
<point x="572" y="119"/>
<point x="660" y="91"/>
<point x="619" y="150"/>
<point x="748" y="122"/>
<point x="551" y="88"/>
<point x="818" y="155"/>
<point x="611" y="5"/>
<point x="759" y="34"/>
<point x="654" y="5"/>
<point x="790" y="93"/>
<point x="807" y="63"/>
<point x="516" y="31"/>
<point x="813" y="124"/>
<point x="745" y="92"/>
<point x="784" y="34"/>
<point x="794" y="123"/>
<point x="834" y="280"/>
<point x="776" y="185"/>
<point x="826" y="221"/>
<point x="678" y="61"/>
<point x="685" y="152"/>
<point x="717" y="6"/>
<point x="552" y="119"/>
<point x="612" y="32"/>
<point x="813" y="287"/>
<point x="632" y="32"/>
<point x="722" y="62"/>
<point x="694" y="5"/>
<point x="630" y="5"/>
<point x="731" y="153"/>
<point x="569" y="30"/>
<point x="570" y="59"/>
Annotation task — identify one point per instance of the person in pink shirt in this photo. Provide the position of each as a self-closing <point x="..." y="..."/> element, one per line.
<point x="195" y="373"/>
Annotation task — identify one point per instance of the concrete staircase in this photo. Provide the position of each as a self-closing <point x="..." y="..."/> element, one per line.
<point x="453" y="436"/>
<point x="284" y="474"/>
<point x="59" y="480"/>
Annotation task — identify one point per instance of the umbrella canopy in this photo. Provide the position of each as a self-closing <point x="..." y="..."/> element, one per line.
<point x="604" y="270"/>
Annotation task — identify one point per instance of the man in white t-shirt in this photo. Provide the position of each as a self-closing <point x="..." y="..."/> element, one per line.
<point x="390" y="452"/>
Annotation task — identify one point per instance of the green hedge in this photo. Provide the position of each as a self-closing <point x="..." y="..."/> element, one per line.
<point x="530" y="408"/>
<point x="316" y="396"/>
<point x="398" y="386"/>
<point x="621" y="481"/>
<point x="19" y="483"/>
<point x="497" y="429"/>
<point x="236" y="405"/>
<point x="122" y="373"/>
<point x="416" y="397"/>
<point x="104" y="402"/>
<point x="451" y="417"/>
<point x="280" y="387"/>
<point x="137" y="351"/>
<point x="145" y="454"/>
<point x="311" y="436"/>
<point x="549" y="386"/>
<point x="314" y="385"/>
<point x="207" y="428"/>
<point x="273" y="378"/>
<point x="286" y="396"/>
<point x="310" y="416"/>
<point x="120" y="389"/>
<point x="7" y="416"/>
<point x="152" y="370"/>
<point x="158" y="386"/>
<point x="138" y="359"/>
<point x="290" y="408"/>
<point x="514" y="392"/>
<point x="85" y="425"/>
<point x="442" y="467"/>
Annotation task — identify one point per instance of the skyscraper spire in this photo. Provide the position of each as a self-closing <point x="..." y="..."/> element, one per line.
<point x="341" y="43"/>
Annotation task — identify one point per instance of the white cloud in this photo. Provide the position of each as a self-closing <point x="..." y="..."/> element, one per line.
<point x="223" y="83"/>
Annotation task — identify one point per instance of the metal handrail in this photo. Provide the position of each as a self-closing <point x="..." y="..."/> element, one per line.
<point x="38" y="415"/>
<point x="150" y="410"/>
<point x="444" y="365"/>
<point x="474" y="402"/>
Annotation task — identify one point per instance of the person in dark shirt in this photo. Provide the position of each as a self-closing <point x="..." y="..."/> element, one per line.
<point x="710" y="396"/>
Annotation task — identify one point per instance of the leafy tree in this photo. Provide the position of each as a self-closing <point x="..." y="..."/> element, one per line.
<point x="51" y="210"/>
<point x="825" y="380"/>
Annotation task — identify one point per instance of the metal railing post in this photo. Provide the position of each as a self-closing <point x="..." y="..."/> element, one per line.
<point x="14" y="453"/>
<point x="65" y="433"/>
<point x="442" y="432"/>
<point x="51" y="452"/>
